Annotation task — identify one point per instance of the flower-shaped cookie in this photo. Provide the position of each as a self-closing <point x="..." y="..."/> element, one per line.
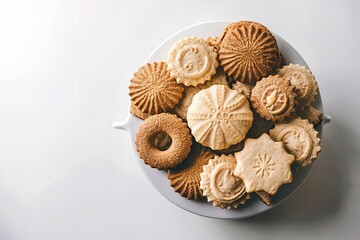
<point x="192" y="61"/>
<point x="300" y="139"/>
<point x="219" y="184"/>
<point x="263" y="165"/>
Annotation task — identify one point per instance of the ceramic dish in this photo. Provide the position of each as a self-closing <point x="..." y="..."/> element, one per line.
<point x="159" y="178"/>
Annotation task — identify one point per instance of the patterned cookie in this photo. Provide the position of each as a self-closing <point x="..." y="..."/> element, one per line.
<point x="190" y="91"/>
<point x="248" y="52"/>
<point x="163" y="141"/>
<point x="299" y="138"/>
<point x="310" y="113"/>
<point x="136" y="111"/>
<point x="185" y="178"/>
<point x="243" y="88"/>
<point x="219" y="184"/>
<point x="263" y="165"/>
<point x="152" y="89"/>
<point x="273" y="98"/>
<point x="192" y="61"/>
<point x="305" y="85"/>
<point x="219" y="117"/>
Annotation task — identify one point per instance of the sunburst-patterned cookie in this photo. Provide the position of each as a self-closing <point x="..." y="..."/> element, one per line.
<point x="189" y="92"/>
<point x="299" y="138"/>
<point x="185" y="178"/>
<point x="248" y="52"/>
<point x="305" y="84"/>
<point x="263" y="165"/>
<point x="219" y="184"/>
<point x="219" y="117"/>
<point x="136" y="111"/>
<point x="273" y="98"/>
<point x="152" y="89"/>
<point x="192" y="61"/>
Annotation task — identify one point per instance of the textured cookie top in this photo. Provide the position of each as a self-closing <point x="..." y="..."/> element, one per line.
<point x="190" y="91"/>
<point x="219" y="117"/>
<point x="219" y="184"/>
<point x="152" y="90"/>
<point x="185" y="178"/>
<point x="299" y="138"/>
<point x="248" y="52"/>
<point x="305" y="85"/>
<point x="263" y="165"/>
<point x="192" y="61"/>
<point x="273" y="98"/>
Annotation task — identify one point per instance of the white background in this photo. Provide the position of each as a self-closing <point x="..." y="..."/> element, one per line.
<point x="64" y="71"/>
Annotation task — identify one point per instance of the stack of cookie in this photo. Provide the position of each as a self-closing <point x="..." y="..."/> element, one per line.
<point x="226" y="116"/>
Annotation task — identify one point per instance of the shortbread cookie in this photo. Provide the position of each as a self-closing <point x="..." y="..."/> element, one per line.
<point x="263" y="165"/>
<point x="299" y="138"/>
<point x="305" y="85"/>
<point x="185" y="178"/>
<point x="136" y="111"/>
<point x="310" y="113"/>
<point x="248" y="52"/>
<point x="219" y="184"/>
<point x="152" y="89"/>
<point x="189" y="92"/>
<point x="192" y="61"/>
<point x="243" y="88"/>
<point x="163" y="141"/>
<point x="273" y="98"/>
<point x="219" y="117"/>
<point x="265" y="197"/>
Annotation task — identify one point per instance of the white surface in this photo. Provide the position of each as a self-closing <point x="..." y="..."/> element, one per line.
<point x="64" y="71"/>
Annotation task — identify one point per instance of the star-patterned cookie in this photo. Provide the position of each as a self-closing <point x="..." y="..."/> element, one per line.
<point x="263" y="165"/>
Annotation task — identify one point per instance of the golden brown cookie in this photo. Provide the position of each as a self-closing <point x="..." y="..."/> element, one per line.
<point x="310" y="113"/>
<point x="136" y="111"/>
<point x="163" y="141"/>
<point x="152" y="90"/>
<point x="189" y="92"/>
<point x="299" y="138"/>
<point x="273" y="98"/>
<point x="219" y="117"/>
<point x="263" y="165"/>
<point x="219" y="184"/>
<point x="192" y="61"/>
<point x="185" y="178"/>
<point x="305" y="85"/>
<point x="248" y="52"/>
<point x="243" y="88"/>
<point x="265" y="197"/>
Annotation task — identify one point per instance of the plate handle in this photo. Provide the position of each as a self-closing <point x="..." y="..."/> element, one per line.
<point x="327" y="118"/>
<point x="124" y="125"/>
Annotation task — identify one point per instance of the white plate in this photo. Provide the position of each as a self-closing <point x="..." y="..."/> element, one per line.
<point x="159" y="178"/>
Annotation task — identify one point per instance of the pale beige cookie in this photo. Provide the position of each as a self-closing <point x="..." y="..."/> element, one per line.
<point x="299" y="138"/>
<point x="219" y="184"/>
<point x="192" y="61"/>
<point x="185" y="178"/>
<point x="305" y="85"/>
<point x="189" y="92"/>
<point x="273" y="98"/>
<point x="219" y="117"/>
<point x="136" y="111"/>
<point x="310" y="113"/>
<point x="152" y="89"/>
<point x="263" y="165"/>
<point x="243" y="88"/>
<point x="265" y="197"/>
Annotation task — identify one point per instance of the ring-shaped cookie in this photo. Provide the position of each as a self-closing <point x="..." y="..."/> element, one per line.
<point x="175" y="128"/>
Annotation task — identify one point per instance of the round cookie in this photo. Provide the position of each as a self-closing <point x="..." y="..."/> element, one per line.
<point x="163" y="141"/>
<point x="185" y="178"/>
<point x="152" y="90"/>
<point x="248" y="52"/>
<point x="192" y="61"/>
<point x="305" y="84"/>
<point x="219" y="184"/>
<point x="219" y="117"/>
<point x="273" y="98"/>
